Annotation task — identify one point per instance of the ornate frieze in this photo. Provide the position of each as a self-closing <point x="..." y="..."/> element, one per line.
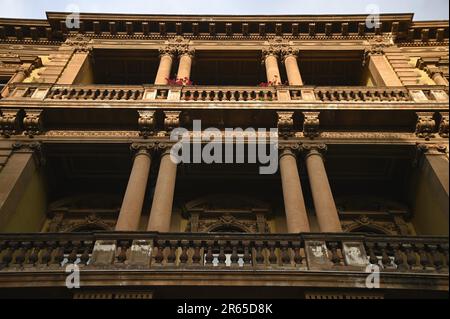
<point x="311" y="124"/>
<point x="426" y="125"/>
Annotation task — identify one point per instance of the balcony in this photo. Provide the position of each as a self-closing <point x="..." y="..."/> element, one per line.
<point x="404" y="262"/>
<point x="219" y="94"/>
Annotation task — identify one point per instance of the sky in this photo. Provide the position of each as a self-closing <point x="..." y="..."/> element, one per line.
<point x="423" y="9"/>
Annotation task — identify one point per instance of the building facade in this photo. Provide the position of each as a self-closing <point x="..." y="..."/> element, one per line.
<point x="88" y="188"/>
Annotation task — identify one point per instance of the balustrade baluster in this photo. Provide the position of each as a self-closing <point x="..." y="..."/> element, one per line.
<point x="172" y="256"/>
<point x="335" y="258"/>
<point x="234" y="252"/>
<point x="7" y="254"/>
<point x="259" y="257"/>
<point x="285" y="255"/>
<point x="196" y="257"/>
<point x="184" y="255"/>
<point x="247" y="258"/>
<point x="209" y="258"/>
<point x="272" y="255"/>
<point x="298" y="258"/>
<point x="160" y="244"/>
<point x="123" y="247"/>
<point x="222" y="257"/>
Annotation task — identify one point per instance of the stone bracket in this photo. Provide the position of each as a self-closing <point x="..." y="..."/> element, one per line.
<point x="10" y="123"/>
<point x="311" y="124"/>
<point x="426" y="125"/>
<point x="146" y="123"/>
<point x="285" y="124"/>
<point x="32" y="122"/>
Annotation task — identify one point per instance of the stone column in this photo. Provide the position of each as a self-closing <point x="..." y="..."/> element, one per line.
<point x="439" y="79"/>
<point x="184" y="68"/>
<point x="15" y="178"/>
<point x="130" y="212"/>
<point x="292" y="70"/>
<point x="294" y="203"/>
<point x="381" y="70"/>
<point x="20" y="75"/>
<point x="161" y="211"/>
<point x="271" y="63"/>
<point x="165" y="66"/>
<point x="327" y="214"/>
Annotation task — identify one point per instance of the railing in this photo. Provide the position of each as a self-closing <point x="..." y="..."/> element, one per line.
<point x="361" y="95"/>
<point x="365" y="94"/>
<point x="95" y="93"/>
<point x="303" y="252"/>
<point x="239" y="94"/>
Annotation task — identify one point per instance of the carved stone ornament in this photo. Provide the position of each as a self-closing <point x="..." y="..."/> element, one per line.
<point x="278" y="47"/>
<point x="35" y="148"/>
<point x="426" y="125"/>
<point x="146" y="123"/>
<point x="79" y="42"/>
<point x="311" y="124"/>
<point x="9" y="122"/>
<point x="171" y="120"/>
<point x="444" y="125"/>
<point x="310" y="149"/>
<point x="285" y="124"/>
<point x="178" y="46"/>
<point x="32" y="122"/>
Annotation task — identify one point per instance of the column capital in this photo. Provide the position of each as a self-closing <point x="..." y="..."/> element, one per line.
<point x="151" y="149"/>
<point x="34" y="148"/>
<point x="432" y="149"/>
<point x="291" y="149"/>
<point x="270" y="51"/>
<point x="168" y="50"/>
<point x="288" y="51"/>
<point x="186" y="51"/>
<point x="314" y="149"/>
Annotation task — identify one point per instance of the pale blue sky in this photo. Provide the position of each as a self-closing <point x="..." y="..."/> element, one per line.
<point x="423" y="9"/>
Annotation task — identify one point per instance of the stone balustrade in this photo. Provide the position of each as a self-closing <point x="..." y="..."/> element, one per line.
<point x="301" y="252"/>
<point x="407" y="94"/>
<point x="238" y="94"/>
